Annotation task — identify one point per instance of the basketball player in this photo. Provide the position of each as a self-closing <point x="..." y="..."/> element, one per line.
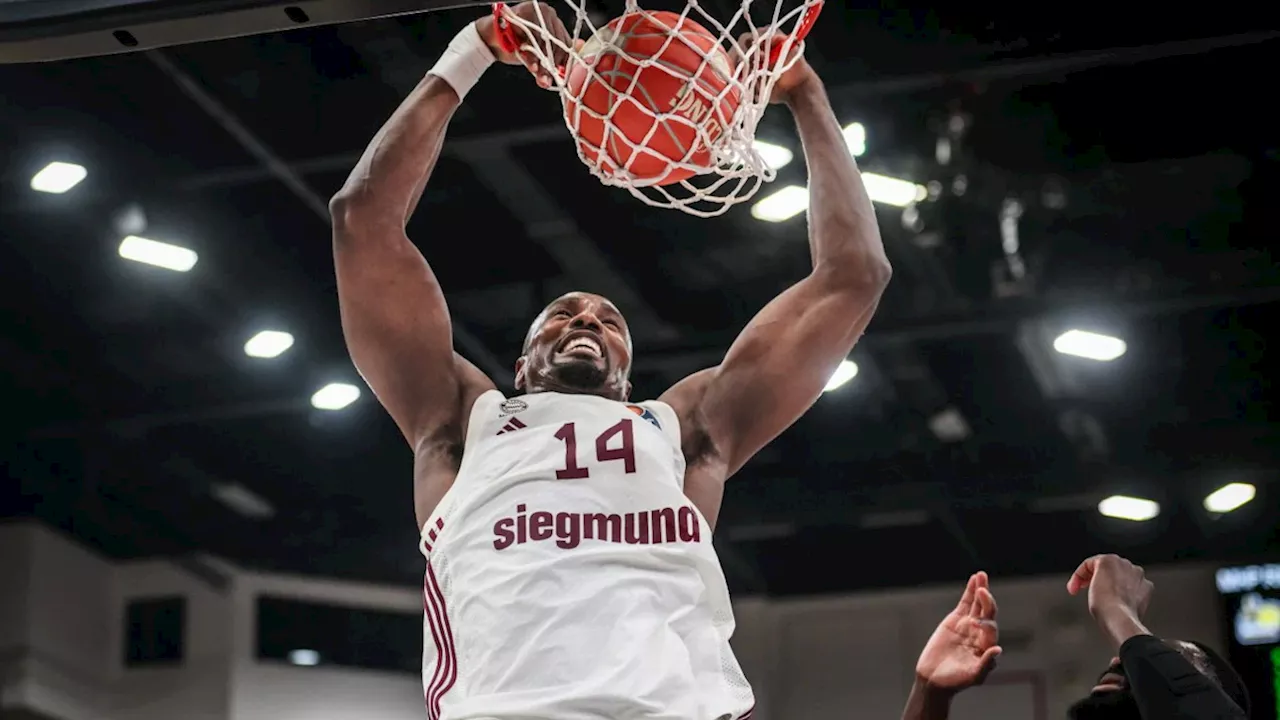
<point x="567" y="530"/>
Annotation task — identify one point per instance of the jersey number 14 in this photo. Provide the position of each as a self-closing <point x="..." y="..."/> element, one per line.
<point x="625" y="450"/>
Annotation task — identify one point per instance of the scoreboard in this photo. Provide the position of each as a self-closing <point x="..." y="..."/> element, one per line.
<point x="1251" y="614"/>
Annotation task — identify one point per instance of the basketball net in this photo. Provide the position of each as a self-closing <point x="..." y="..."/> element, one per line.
<point x="736" y="170"/>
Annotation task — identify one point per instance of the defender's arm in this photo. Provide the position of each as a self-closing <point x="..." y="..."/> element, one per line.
<point x="925" y="703"/>
<point x="778" y="366"/>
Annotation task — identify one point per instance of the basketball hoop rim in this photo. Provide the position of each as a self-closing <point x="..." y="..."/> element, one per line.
<point x="511" y="44"/>
<point x="730" y="168"/>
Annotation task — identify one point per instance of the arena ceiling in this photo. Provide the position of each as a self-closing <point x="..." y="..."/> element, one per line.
<point x="1143" y="156"/>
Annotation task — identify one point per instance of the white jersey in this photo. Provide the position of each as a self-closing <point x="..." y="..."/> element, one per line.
<point x="568" y="576"/>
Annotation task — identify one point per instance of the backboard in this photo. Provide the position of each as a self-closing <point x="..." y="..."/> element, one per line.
<point x="45" y="30"/>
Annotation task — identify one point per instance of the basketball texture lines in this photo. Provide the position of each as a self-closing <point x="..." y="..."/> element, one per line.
<point x="651" y="97"/>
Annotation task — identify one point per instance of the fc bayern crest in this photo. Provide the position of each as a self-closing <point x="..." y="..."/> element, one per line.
<point x="513" y="406"/>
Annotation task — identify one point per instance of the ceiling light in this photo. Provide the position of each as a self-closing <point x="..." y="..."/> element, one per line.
<point x="892" y="191"/>
<point x="845" y="371"/>
<point x="152" y="252"/>
<point x="1124" y="507"/>
<point x="782" y="205"/>
<point x="58" y="177"/>
<point x="775" y="156"/>
<point x="1091" y="346"/>
<point x="794" y="199"/>
<point x="304" y="657"/>
<point x="1229" y="497"/>
<point x="855" y="136"/>
<point x="268" y="344"/>
<point x="949" y="425"/>
<point x="335" y="396"/>
<point x="242" y="500"/>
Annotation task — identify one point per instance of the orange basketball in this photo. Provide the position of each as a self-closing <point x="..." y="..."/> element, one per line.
<point x="694" y="72"/>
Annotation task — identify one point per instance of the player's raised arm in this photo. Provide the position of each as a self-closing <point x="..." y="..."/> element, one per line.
<point x="394" y="315"/>
<point x="778" y="366"/>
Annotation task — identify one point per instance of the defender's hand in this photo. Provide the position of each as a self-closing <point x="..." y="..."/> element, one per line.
<point x="536" y="13"/>
<point x="963" y="649"/>
<point x="1114" y="584"/>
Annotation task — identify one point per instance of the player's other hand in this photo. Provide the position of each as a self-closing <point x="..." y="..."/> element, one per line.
<point x="1114" y="584"/>
<point x="963" y="649"/>
<point x="535" y="13"/>
<point x="761" y="48"/>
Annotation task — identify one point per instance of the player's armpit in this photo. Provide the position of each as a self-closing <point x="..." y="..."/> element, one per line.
<point x="782" y="360"/>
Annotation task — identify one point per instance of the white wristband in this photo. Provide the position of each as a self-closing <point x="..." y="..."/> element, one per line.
<point x="464" y="61"/>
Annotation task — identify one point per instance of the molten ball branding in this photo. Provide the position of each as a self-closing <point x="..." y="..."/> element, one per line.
<point x="689" y="104"/>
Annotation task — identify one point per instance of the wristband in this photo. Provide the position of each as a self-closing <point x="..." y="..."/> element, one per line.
<point x="464" y="61"/>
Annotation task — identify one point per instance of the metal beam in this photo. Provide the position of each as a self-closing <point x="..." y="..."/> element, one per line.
<point x="940" y="507"/>
<point x="997" y="318"/>
<point x="857" y="90"/>
<point x="269" y="160"/>
<point x="1039" y="68"/>
<point x="274" y="167"/>
<point x="549" y="225"/>
<point x="1004" y="317"/>
<point x="47" y="30"/>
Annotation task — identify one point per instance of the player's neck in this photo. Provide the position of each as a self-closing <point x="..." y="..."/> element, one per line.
<point x="606" y="393"/>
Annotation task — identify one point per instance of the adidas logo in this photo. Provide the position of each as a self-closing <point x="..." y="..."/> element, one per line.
<point x="512" y="425"/>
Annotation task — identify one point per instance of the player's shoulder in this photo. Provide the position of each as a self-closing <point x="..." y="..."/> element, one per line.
<point x="685" y="396"/>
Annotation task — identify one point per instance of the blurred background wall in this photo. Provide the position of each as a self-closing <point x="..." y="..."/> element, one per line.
<point x="83" y="638"/>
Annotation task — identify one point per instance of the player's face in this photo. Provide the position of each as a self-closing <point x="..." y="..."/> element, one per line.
<point x="579" y="344"/>
<point x="1110" y="698"/>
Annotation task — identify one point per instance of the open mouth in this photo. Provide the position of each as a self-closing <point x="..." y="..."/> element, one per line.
<point x="582" y="345"/>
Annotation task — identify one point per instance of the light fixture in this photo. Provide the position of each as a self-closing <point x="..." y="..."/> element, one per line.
<point x="153" y="252"/>
<point x="892" y="191"/>
<point x="782" y="205"/>
<point x="950" y="425"/>
<point x="242" y="500"/>
<point x="1229" y="497"/>
<point x="775" y="156"/>
<point x="794" y="199"/>
<point x="268" y="344"/>
<point x="58" y="177"/>
<point x="1124" y="507"/>
<point x="335" y="396"/>
<point x="845" y="371"/>
<point x="1089" y="345"/>
<point x="855" y="136"/>
<point x="304" y="657"/>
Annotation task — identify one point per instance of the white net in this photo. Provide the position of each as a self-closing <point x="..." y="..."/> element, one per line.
<point x="666" y="104"/>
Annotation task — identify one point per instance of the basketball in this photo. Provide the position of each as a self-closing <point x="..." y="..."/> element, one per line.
<point x="679" y="87"/>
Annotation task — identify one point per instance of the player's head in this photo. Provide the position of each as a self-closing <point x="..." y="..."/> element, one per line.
<point x="578" y="344"/>
<point x="1111" y="698"/>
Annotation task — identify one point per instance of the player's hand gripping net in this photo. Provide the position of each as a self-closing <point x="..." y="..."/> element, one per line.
<point x="701" y="138"/>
